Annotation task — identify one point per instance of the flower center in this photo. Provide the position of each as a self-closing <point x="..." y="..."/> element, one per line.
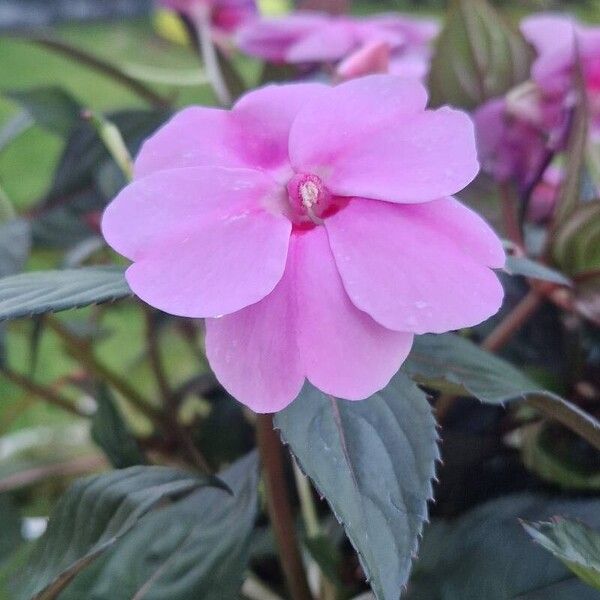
<point x="308" y="198"/>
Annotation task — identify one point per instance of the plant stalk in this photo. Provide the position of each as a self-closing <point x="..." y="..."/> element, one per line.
<point x="280" y="510"/>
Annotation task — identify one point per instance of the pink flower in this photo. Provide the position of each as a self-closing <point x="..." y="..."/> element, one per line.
<point x="545" y="195"/>
<point x="376" y="57"/>
<point x="312" y="37"/>
<point x="226" y="15"/>
<point x="313" y="227"/>
<point x="557" y="40"/>
<point x="510" y="147"/>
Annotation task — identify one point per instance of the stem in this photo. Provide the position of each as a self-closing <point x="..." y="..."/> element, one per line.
<point x="209" y="56"/>
<point x="44" y="392"/>
<point x="155" y="358"/>
<point x="280" y="509"/>
<point x="102" y="66"/>
<point x="517" y="317"/>
<point x="85" y="355"/>
<point x="113" y="141"/>
<point x="509" y="215"/>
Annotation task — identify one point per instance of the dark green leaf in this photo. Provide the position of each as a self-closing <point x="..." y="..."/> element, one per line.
<point x="111" y="433"/>
<point x="576" y="245"/>
<point x="486" y="554"/>
<point x="373" y="461"/>
<point x="521" y="265"/>
<point x="327" y="556"/>
<point x="15" y="244"/>
<point x="575" y="544"/>
<point x="42" y="292"/>
<point x="50" y="107"/>
<point x="455" y="365"/>
<point x="478" y="56"/>
<point x="93" y="514"/>
<point x="557" y="455"/>
<point x="196" y="549"/>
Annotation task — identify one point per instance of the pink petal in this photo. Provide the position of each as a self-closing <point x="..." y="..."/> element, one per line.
<point x="270" y="39"/>
<point x="307" y="327"/>
<point x="254" y="352"/>
<point x="202" y="241"/>
<point x="328" y="126"/>
<point x="373" y="57"/>
<point x="548" y="31"/>
<point x="344" y="352"/>
<point x="172" y="204"/>
<point x="253" y="134"/>
<point x="419" y="268"/>
<point x="328" y="43"/>
<point x="416" y="159"/>
<point x="264" y="118"/>
<point x="195" y="137"/>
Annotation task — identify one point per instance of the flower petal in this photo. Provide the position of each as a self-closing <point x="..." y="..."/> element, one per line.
<point x="344" y="351"/>
<point x="203" y="239"/>
<point x="270" y="38"/>
<point x="419" y="158"/>
<point x="218" y="269"/>
<point x="253" y="134"/>
<point x="195" y="137"/>
<point x="328" y="43"/>
<point x="264" y="117"/>
<point x="419" y="268"/>
<point x="172" y="204"/>
<point x="328" y="127"/>
<point x="254" y="352"/>
<point x="306" y="327"/>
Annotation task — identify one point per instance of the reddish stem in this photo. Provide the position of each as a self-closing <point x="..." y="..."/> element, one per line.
<point x="280" y="510"/>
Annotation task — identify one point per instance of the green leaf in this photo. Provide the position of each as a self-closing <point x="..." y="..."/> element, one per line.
<point x="576" y="245"/>
<point x="42" y="292"/>
<point x="111" y="433"/>
<point x="575" y="544"/>
<point x="15" y="244"/>
<point x="373" y="461"/>
<point x="477" y="56"/>
<point x="195" y="549"/>
<point x="50" y="107"/>
<point x="486" y="554"/>
<point x="93" y="514"/>
<point x="455" y="365"/>
<point x="327" y="556"/>
<point x="556" y="455"/>
<point x="521" y="265"/>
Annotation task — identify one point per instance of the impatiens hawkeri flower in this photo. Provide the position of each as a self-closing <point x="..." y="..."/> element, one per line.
<point x="377" y="57"/>
<point x="557" y="40"/>
<point x="313" y="228"/>
<point x="312" y="37"/>
<point x="225" y="15"/>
